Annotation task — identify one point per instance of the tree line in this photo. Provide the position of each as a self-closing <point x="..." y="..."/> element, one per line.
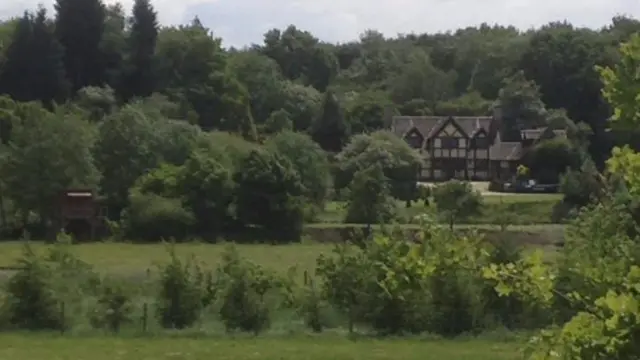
<point x="161" y="115"/>
<point x="90" y="44"/>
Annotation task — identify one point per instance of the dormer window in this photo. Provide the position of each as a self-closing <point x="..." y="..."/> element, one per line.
<point x="414" y="139"/>
<point x="480" y="141"/>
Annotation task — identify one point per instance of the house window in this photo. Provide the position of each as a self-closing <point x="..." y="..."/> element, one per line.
<point x="480" y="143"/>
<point x="414" y="140"/>
<point x="449" y="142"/>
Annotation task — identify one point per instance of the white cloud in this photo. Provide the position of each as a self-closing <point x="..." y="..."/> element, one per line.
<point x="244" y="21"/>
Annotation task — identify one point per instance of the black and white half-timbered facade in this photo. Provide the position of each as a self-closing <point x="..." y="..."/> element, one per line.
<point x="463" y="147"/>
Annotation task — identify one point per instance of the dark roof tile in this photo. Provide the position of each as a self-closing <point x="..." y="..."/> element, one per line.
<point x="430" y="125"/>
<point x="505" y="151"/>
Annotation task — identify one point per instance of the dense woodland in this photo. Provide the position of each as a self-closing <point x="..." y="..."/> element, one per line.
<point x="175" y="129"/>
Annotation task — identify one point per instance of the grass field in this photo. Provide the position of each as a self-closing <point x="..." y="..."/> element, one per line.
<point x="41" y="347"/>
<point x="287" y="339"/>
<point x="132" y="259"/>
<point x="522" y="209"/>
<point x="493" y="198"/>
<point x="125" y="259"/>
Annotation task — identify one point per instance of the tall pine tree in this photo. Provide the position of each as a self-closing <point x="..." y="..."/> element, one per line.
<point x="330" y="129"/>
<point x="113" y="46"/>
<point x="50" y="73"/>
<point x="34" y="69"/>
<point x="15" y="70"/>
<point x="79" y="28"/>
<point x="140" y="72"/>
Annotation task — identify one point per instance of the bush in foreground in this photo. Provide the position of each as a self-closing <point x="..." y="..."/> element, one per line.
<point x="30" y="302"/>
<point x="180" y="300"/>
<point x="243" y="303"/>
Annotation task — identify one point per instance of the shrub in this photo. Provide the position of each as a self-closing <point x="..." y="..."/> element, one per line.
<point x="343" y="277"/>
<point x="424" y="194"/>
<point x="399" y="301"/>
<point x="509" y="311"/>
<point x="395" y="285"/>
<point x="313" y="307"/>
<point x="581" y="187"/>
<point x="72" y="280"/>
<point x="451" y="304"/>
<point x="592" y="290"/>
<point x="30" y="302"/>
<point x="455" y="282"/>
<point x="152" y="217"/>
<point x="113" y="308"/>
<point x="182" y="291"/>
<point x="243" y="305"/>
<point x="369" y="198"/>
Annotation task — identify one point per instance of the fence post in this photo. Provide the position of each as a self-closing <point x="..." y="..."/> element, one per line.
<point x="63" y="319"/>
<point x="144" y="318"/>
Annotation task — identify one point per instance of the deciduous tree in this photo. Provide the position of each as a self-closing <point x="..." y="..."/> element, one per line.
<point x="456" y="200"/>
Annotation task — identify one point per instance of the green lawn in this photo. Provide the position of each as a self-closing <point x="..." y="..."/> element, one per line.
<point x="493" y="198"/>
<point x="521" y="209"/>
<point x="123" y="259"/>
<point x="134" y="259"/>
<point x="42" y="347"/>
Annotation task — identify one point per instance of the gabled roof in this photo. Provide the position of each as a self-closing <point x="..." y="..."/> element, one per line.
<point x="482" y="126"/>
<point x="505" y="151"/>
<point x="401" y="125"/>
<point x="429" y="126"/>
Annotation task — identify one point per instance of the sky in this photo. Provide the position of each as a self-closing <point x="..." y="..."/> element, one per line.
<point x="243" y="22"/>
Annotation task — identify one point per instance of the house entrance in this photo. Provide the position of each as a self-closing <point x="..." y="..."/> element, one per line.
<point x="454" y="169"/>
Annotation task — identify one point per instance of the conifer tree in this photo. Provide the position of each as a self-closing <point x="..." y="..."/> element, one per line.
<point x="330" y="129"/>
<point x="49" y="72"/>
<point x="79" y="27"/>
<point x="17" y="64"/>
<point x="34" y="69"/>
<point x="140" y="70"/>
